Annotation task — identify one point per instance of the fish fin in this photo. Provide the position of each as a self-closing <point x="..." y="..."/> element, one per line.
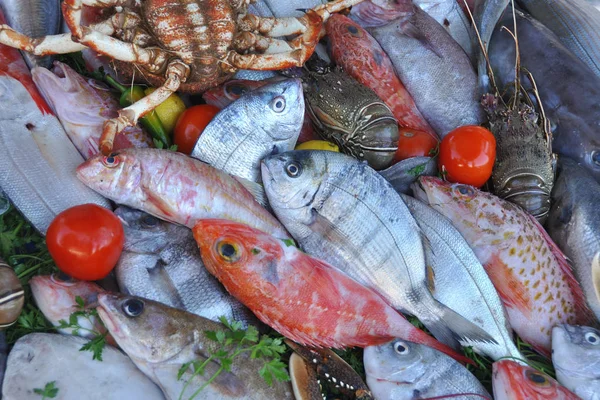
<point x="418" y="336"/>
<point x="596" y="274"/>
<point x="512" y="292"/>
<point x="256" y="190"/>
<point x="585" y="316"/>
<point x="408" y="28"/>
<point x="318" y="274"/>
<point x="168" y="213"/>
<point x="430" y="278"/>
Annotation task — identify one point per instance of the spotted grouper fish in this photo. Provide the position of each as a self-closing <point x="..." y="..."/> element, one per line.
<point x="302" y="297"/>
<point x="530" y="273"/>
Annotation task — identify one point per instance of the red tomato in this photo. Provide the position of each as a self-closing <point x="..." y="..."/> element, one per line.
<point x="86" y="241"/>
<point x="414" y="143"/>
<point x="467" y="154"/>
<point x="190" y="125"/>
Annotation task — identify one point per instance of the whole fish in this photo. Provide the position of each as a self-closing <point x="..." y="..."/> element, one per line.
<point x="529" y="271"/>
<point x="40" y="358"/>
<point x="160" y="262"/>
<point x="174" y="187"/>
<point x="486" y="15"/>
<point x="435" y="70"/>
<point x="344" y="212"/>
<point x="459" y="281"/>
<point x="573" y="223"/>
<point x="37" y="160"/>
<point x="576" y="359"/>
<point x="278" y="282"/>
<point x="34" y="18"/>
<point x="575" y="22"/>
<point x="567" y="89"/>
<point x="405" y="370"/>
<point x="160" y="339"/>
<point x="514" y="381"/>
<point x="351" y="115"/>
<point x="264" y="121"/>
<point x="82" y="105"/>
<point x="361" y="57"/>
<point x="404" y="173"/>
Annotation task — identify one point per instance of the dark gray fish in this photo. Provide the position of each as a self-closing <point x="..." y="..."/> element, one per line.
<point x="575" y="22"/>
<point x="161" y="262"/>
<point x="353" y="116"/>
<point x="434" y="68"/>
<point x="569" y="91"/>
<point x="574" y="223"/>
<point x="576" y="359"/>
<point x="406" y="172"/>
<point x="34" y="18"/>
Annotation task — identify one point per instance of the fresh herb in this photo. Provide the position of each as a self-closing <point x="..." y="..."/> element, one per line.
<point x="289" y="242"/>
<point x="97" y="343"/>
<point x="48" y="392"/>
<point x="232" y="342"/>
<point x="418" y="170"/>
<point x="255" y="251"/>
<point x="159" y="145"/>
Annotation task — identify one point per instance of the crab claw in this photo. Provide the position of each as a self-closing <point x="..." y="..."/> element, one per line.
<point x="111" y="129"/>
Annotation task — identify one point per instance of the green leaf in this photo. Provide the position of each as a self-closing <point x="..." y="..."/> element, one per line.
<point x="96" y="346"/>
<point x="184" y="368"/>
<point x="289" y="242"/>
<point x="48" y="392"/>
<point x="80" y="302"/>
<point x="418" y="170"/>
<point x="158" y="144"/>
<point x="211" y="335"/>
<point x="221" y="337"/>
<point x="255" y="251"/>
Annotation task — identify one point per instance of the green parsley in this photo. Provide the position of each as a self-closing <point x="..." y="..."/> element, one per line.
<point x="48" y="392"/>
<point x="97" y="343"/>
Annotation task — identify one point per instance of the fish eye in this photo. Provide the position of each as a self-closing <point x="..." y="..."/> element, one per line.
<point x="464" y="190"/>
<point x="293" y="169"/>
<point x="228" y="251"/>
<point x="596" y="157"/>
<point x="592" y="338"/>
<point x="353" y="30"/>
<point x="537" y="378"/>
<point x="148" y="221"/>
<point x="401" y="348"/>
<point x="236" y="89"/>
<point x="133" y="307"/>
<point x="278" y="104"/>
<point x="62" y="278"/>
<point x="111" y="161"/>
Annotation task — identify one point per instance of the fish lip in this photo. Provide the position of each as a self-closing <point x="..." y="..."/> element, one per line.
<point x="105" y="316"/>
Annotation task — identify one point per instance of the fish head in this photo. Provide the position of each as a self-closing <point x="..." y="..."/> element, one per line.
<point x="244" y="259"/>
<point x="230" y="91"/>
<point x="277" y="108"/>
<point x="514" y="381"/>
<point x="145" y="233"/>
<point x="398" y="361"/>
<point x="292" y="181"/>
<point x="56" y="295"/>
<point x="576" y="348"/>
<point x="147" y="330"/>
<point x="114" y="176"/>
<point x="341" y="30"/>
<point x="373" y="13"/>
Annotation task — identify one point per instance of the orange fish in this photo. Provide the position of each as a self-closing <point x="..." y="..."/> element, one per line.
<point x="303" y="298"/>
<point x="359" y="54"/>
<point x="513" y="381"/>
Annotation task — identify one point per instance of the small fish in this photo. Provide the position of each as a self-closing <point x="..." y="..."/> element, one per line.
<point x="435" y="70"/>
<point x="37" y="159"/>
<point x="576" y="359"/>
<point x="161" y="262"/>
<point x="514" y="381"/>
<point x="34" y="18"/>
<point x="404" y="370"/>
<point x="314" y="194"/>
<point x="575" y="22"/>
<point x="56" y="298"/>
<point x="530" y="273"/>
<point x="40" y="358"/>
<point x="359" y="54"/>
<point x="352" y="116"/>
<point x="574" y="223"/>
<point x="404" y="173"/>
<point x="82" y="105"/>
<point x="278" y="282"/>
<point x="264" y="121"/>
<point x="12" y="296"/>
<point x="160" y="339"/>
<point x="458" y="280"/>
<point x="174" y="187"/>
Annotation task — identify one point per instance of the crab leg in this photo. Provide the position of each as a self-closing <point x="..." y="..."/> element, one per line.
<point x="72" y="12"/>
<point x="177" y="73"/>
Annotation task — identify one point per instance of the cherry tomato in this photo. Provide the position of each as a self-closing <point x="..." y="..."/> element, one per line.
<point x="190" y="125"/>
<point x="414" y="143"/>
<point x="467" y="155"/>
<point x="86" y="241"/>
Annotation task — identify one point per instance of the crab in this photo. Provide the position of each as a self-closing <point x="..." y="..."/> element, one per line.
<point x="185" y="45"/>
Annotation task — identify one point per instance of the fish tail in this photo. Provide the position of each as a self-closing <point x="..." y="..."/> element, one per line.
<point x="418" y="336"/>
<point x="448" y="326"/>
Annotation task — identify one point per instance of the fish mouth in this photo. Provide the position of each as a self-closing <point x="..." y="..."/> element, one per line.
<point x="419" y="191"/>
<point x="106" y="317"/>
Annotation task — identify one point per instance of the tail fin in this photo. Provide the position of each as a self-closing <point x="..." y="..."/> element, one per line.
<point x="448" y="326"/>
<point x="418" y="336"/>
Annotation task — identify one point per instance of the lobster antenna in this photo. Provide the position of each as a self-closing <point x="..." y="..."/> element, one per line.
<point x="517" y="55"/>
